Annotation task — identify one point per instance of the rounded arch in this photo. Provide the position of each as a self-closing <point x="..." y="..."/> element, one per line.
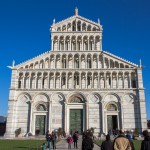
<point x="129" y="97"/>
<point x="27" y="95"/>
<point x="95" y="97"/>
<point x="39" y="96"/>
<point x="118" y="99"/>
<point x="60" y="96"/>
<point x="80" y="95"/>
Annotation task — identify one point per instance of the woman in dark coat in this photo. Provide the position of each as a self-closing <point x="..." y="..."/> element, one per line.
<point x="146" y="142"/>
<point x="107" y="144"/>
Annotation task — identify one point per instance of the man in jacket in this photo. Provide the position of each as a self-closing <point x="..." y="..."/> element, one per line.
<point x="146" y="142"/>
<point x="121" y="142"/>
<point x="87" y="143"/>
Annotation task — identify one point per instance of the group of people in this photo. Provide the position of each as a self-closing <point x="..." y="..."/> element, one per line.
<point x="124" y="142"/>
<point x="121" y="142"/>
<point x="51" y="138"/>
<point x="87" y="142"/>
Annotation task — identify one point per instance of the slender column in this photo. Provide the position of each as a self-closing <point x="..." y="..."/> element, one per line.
<point x="31" y="115"/>
<point x="54" y="81"/>
<point x="92" y="85"/>
<point x="52" y="45"/>
<point x="94" y="43"/>
<point x="59" y="44"/>
<point x="49" y="115"/>
<point x="23" y="86"/>
<point x="87" y="115"/>
<point x="111" y="80"/>
<point x="82" y="43"/>
<point x="65" y="116"/>
<point x="76" y="25"/>
<point x="105" y="81"/>
<point x="35" y="82"/>
<point x="79" y="61"/>
<point x="123" y="80"/>
<point x="60" y="80"/>
<point x="117" y="76"/>
<point x="70" y="44"/>
<point x="98" y="84"/>
<point x="61" y="62"/>
<point x="76" y="43"/>
<point x="73" y="80"/>
<point x="130" y="80"/>
<point x="29" y="82"/>
<point x="103" y="61"/>
<point x="48" y="86"/>
<point x="66" y="81"/>
<point x="73" y="62"/>
<point x="80" y="80"/>
<point x="88" y="44"/>
<point x="85" y="80"/>
<point x="136" y="81"/>
<point x="109" y="63"/>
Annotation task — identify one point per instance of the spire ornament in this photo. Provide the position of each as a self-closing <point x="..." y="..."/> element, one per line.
<point x="76" y="11"/>
<point x="13" y="65"/>
<point x="98" y="21"/>
<point x="54" y="21"/>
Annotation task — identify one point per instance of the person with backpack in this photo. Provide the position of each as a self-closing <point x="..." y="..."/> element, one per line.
<point x="54" y="137"/>
<point x="69" y="141"/>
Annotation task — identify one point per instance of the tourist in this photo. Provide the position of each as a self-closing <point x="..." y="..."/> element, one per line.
<point x="146" y="142"/>
<point x="121" y="142"/>
<point x="48" y="139"/>
<point x="107" y="144"/>
<point x="75" y="139"/>
<point x="54" y="137"/>
<point x="87" y="143"/>
<point x="69" y="141"/>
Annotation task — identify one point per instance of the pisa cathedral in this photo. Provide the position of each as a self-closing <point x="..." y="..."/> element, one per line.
<point x="76" y="85"/>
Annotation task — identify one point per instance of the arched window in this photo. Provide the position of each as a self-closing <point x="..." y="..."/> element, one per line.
<point x="64" y="81"/>
<point x="19" y="84"/>
<point x="111" y="107"/>
<point x="41" y="107"/>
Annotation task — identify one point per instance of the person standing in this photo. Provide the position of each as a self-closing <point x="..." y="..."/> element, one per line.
<point x="107" y="144"/>
<point x="54" y="137"/>
<point x="48" y="139"/>
<point x="69" y="141"/>
<point x="121" y="142"/>
<point x="75" y="139"/>
<point x="87" y="143"/>
<point x="146" y="142"/>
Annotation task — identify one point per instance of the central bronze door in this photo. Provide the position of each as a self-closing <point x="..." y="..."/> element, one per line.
<point x="40" y="125"/>
<point x="76" y="120"/>
<point x="112" y="122"/>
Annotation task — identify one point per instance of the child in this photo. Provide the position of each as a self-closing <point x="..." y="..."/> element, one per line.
<point x="69" y="141"/>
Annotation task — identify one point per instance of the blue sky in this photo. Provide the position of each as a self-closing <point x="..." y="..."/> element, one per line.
<point x="24" y="32"/>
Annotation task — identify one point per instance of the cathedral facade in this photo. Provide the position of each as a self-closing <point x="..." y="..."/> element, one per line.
<point x="76" y="85"/>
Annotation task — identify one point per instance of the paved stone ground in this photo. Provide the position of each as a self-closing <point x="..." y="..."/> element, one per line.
<point x="63" y="145"/>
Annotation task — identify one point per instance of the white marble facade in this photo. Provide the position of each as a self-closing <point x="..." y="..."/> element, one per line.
<point x="76" y="74"/>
